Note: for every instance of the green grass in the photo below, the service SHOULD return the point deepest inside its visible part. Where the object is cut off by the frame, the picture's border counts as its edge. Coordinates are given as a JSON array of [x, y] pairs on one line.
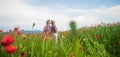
[[77, 44]]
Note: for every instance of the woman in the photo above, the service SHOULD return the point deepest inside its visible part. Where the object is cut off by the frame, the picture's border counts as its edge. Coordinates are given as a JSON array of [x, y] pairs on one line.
[[54, 30], [47, 30]]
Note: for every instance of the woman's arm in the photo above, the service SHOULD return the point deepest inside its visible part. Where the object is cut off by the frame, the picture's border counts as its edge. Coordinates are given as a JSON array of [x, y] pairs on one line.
[[44, 29]]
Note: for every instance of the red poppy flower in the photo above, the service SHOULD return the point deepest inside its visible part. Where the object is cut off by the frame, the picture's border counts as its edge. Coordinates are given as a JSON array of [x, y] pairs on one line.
[[7, 40], [10, 49], [15, 29], [22, 54], [80, 47], [97, 37], [0, 30], [84, 30], [19, 32], [72, 55]]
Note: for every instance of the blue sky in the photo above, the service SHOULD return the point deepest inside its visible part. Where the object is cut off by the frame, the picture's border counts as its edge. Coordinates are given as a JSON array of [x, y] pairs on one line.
[[75, 3], [24, 13]]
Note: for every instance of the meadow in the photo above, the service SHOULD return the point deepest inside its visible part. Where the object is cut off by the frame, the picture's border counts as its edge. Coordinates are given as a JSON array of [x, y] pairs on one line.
[[96, 41]]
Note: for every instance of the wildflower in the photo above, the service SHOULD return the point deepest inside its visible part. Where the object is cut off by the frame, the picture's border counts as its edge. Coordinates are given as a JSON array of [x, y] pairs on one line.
[[84, 30], [119, 42], [15, 29], [20, 46], [24, 37], [92, 31], [72, 55], [7, 40], [44, 38], [22, 54], [37, 34], [80, 48], [19, 32], [0, 30], [10, 49], [97, 37]]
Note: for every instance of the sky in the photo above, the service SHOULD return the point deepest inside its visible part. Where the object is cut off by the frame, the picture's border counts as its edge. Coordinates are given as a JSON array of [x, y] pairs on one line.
[[24, 13]]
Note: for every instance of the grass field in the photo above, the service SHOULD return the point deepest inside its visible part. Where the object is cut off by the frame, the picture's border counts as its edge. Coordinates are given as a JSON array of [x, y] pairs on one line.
[[96, 41]]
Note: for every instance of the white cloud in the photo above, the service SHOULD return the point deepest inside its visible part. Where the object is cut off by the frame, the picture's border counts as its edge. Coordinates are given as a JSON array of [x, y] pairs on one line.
[[17, 12], [114, 11], [86, 20]]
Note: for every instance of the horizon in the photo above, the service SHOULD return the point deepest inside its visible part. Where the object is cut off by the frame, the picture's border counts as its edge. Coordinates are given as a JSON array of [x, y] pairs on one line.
[[23, 13]]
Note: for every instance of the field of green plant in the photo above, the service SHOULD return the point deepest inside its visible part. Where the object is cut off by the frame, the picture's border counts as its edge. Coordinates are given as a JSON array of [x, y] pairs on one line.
[[96, 41]]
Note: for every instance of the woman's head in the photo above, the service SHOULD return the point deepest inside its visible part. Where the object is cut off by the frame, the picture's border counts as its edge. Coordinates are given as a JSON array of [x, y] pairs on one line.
[[52, 22], [48, 22]]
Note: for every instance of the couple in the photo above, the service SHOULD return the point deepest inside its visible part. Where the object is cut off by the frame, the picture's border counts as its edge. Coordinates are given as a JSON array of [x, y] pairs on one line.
[[50, 29]]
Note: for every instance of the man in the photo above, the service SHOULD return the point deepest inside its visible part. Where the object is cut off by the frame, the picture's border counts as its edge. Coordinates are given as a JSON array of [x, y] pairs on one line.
[[54, 30]]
